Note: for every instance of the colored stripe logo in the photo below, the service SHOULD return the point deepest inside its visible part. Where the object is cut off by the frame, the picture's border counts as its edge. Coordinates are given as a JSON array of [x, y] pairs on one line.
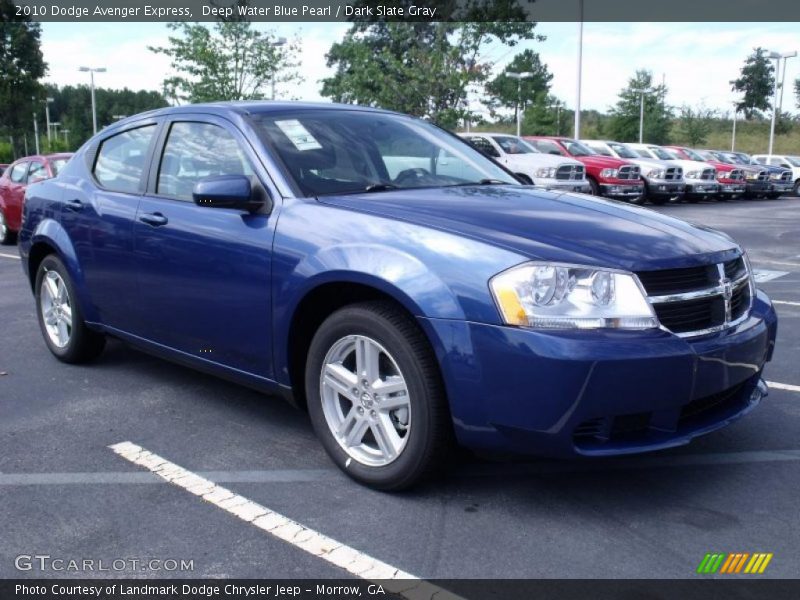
[[735, 562]]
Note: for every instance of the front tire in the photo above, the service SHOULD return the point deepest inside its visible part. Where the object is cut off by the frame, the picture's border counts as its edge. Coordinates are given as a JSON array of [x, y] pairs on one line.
[[595, 187], [60, 316], [375, 396]]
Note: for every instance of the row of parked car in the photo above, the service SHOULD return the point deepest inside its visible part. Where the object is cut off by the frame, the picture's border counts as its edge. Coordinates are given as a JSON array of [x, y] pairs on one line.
[[639, 173]]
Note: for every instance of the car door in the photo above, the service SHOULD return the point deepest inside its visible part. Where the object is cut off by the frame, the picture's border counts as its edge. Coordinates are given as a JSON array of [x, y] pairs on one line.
[[14, 193], [204, 272], [98, 213]]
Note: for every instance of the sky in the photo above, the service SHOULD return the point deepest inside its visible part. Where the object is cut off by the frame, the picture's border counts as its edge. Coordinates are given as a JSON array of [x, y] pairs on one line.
[[696, 60]]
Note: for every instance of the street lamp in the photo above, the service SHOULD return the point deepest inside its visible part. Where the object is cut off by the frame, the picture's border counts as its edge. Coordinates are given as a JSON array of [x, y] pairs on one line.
[[519, 77], [35, 126], [641, 93], [777, 56], [786, 58], [281, 41], [47, 102], [733, 135], [580, 72], [92, 71]]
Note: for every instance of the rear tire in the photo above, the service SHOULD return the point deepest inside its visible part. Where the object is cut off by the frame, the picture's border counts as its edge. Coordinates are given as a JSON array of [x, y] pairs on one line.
[[61, 317], [796, 190], [6, 235], [386, 440], [641, 198]]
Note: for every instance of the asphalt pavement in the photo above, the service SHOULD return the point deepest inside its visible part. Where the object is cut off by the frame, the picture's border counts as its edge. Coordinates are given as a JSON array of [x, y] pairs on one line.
[[65, 494]]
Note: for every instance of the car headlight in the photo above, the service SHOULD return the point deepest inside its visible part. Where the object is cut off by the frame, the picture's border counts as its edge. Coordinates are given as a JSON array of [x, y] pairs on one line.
[[556, 296], [776, 176], [693, 175], [608, 173], [656, 174], [546, 172], [723, 174], [751, 176]]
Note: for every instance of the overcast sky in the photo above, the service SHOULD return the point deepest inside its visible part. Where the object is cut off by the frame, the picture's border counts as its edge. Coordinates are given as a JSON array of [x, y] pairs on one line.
[[697, 60]]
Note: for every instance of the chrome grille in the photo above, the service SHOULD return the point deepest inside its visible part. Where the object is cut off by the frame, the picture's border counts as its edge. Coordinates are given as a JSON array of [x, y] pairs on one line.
[[710, 174], [628, 172], [699, 300], [733, 175], [674, 173], [570, 172], [763, 175]]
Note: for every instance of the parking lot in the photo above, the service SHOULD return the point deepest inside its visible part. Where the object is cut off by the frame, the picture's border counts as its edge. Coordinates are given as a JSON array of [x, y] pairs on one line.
[[66, 494]]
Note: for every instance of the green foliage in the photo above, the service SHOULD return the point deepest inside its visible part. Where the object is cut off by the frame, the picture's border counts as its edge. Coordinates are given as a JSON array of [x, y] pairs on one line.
[[694, 125], [755, 84], [229, 60], [505, 92], [797, 90], [21, 67], [421, 69], [624, 124]]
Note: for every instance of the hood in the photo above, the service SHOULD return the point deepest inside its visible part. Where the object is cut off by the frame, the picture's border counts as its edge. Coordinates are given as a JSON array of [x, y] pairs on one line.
[[602, 162], [571, 228], [540, 160], [648, 163], [690, 165]]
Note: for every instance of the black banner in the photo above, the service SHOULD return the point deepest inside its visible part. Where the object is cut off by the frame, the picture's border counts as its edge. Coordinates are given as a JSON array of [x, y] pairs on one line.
[[410, 10], [733, 588]]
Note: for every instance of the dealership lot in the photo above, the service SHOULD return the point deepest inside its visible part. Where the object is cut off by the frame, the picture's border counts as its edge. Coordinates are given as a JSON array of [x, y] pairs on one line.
[[66, 494]]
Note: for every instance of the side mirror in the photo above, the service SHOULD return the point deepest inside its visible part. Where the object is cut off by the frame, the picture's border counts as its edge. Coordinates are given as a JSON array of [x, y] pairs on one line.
[[227, 191]]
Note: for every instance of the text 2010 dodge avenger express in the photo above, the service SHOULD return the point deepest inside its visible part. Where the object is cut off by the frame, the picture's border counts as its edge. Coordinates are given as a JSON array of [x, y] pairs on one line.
[[285, 246]]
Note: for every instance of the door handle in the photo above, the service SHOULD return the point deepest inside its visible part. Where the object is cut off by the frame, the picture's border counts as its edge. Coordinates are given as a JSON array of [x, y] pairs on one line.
[[155, 219], [74, 205]]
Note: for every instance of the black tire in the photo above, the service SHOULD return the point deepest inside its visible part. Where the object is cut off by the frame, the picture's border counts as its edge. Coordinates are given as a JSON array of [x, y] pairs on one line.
[[796, 190], [7, 236], [641, 198], [595, 187], [84, 344], [774, 195], [693, 199], [524, 178], [430, 440]]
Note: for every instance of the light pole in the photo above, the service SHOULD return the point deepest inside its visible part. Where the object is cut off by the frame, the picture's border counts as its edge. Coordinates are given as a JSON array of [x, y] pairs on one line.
[[786, 58], [580, 72], [35, 126], [733, 135], [281, 41], [92, 71], [777, 56], [47, 102], [642, 92], [519, 77]]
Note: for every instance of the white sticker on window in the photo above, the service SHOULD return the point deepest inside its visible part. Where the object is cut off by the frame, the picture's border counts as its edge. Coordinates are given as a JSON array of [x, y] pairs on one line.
[[298, 135]]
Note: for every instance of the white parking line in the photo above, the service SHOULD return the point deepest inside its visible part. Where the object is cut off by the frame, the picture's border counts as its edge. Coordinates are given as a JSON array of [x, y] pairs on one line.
[[764, 275], [343, 556], [786, 302], [784, 386], [9, 256]]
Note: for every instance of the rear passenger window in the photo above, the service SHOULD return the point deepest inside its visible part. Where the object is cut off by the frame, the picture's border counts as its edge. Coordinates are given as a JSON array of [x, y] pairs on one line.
[[195, 151], [18, 172], [121, 159]]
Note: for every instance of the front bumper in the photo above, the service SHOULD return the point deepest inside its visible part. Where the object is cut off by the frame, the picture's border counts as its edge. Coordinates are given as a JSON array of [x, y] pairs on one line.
[[622, 191], [701, 189], [657, 188], [598, 392], [732, 189], [757, 187], [782, 187], [563, 185]]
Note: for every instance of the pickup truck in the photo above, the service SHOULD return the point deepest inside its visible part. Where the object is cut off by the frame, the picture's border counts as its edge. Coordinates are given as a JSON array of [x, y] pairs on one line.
[[731, 176], [700, 178], [609, 177], [663, 180], [784, 161], [529, 164], [763, 181]]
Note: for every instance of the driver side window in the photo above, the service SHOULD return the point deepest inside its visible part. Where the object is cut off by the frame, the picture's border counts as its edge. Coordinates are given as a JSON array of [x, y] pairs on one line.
[[194, 151]]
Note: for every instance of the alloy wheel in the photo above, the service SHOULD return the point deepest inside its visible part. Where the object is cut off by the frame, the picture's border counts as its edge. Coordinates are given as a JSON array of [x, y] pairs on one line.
[[56, 309]]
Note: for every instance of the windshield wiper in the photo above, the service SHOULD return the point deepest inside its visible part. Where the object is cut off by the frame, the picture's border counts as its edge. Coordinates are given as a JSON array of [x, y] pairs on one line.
[[486, 181]]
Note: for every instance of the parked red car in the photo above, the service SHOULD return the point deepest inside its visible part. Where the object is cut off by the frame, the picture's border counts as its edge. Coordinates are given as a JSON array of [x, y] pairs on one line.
[[3, 168], [608, 176], [13, 182]]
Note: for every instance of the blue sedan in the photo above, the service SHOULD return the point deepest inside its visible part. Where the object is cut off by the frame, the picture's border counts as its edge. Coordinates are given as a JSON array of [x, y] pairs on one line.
[[406, 290]]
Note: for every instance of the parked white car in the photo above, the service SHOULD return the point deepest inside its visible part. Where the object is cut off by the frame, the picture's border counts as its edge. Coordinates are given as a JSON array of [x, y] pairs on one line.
[[787, 162], [700, 177], [531, 165], [663, 179]]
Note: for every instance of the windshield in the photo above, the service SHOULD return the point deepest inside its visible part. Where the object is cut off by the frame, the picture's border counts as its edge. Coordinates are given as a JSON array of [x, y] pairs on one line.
[[58, 164], [692, 154], [705, 155], [328, 151], [623, 151], [670, 154], [575, 148], [723, 158], [514, 145], [793, 160], [739, 159]]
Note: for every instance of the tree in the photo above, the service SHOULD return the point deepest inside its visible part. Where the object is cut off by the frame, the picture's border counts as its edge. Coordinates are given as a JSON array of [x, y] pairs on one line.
[[755, 83], [624, 123], [420, 68], [505, 91], [229, 60], [695, 125], [21, 67], [797, 90]]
